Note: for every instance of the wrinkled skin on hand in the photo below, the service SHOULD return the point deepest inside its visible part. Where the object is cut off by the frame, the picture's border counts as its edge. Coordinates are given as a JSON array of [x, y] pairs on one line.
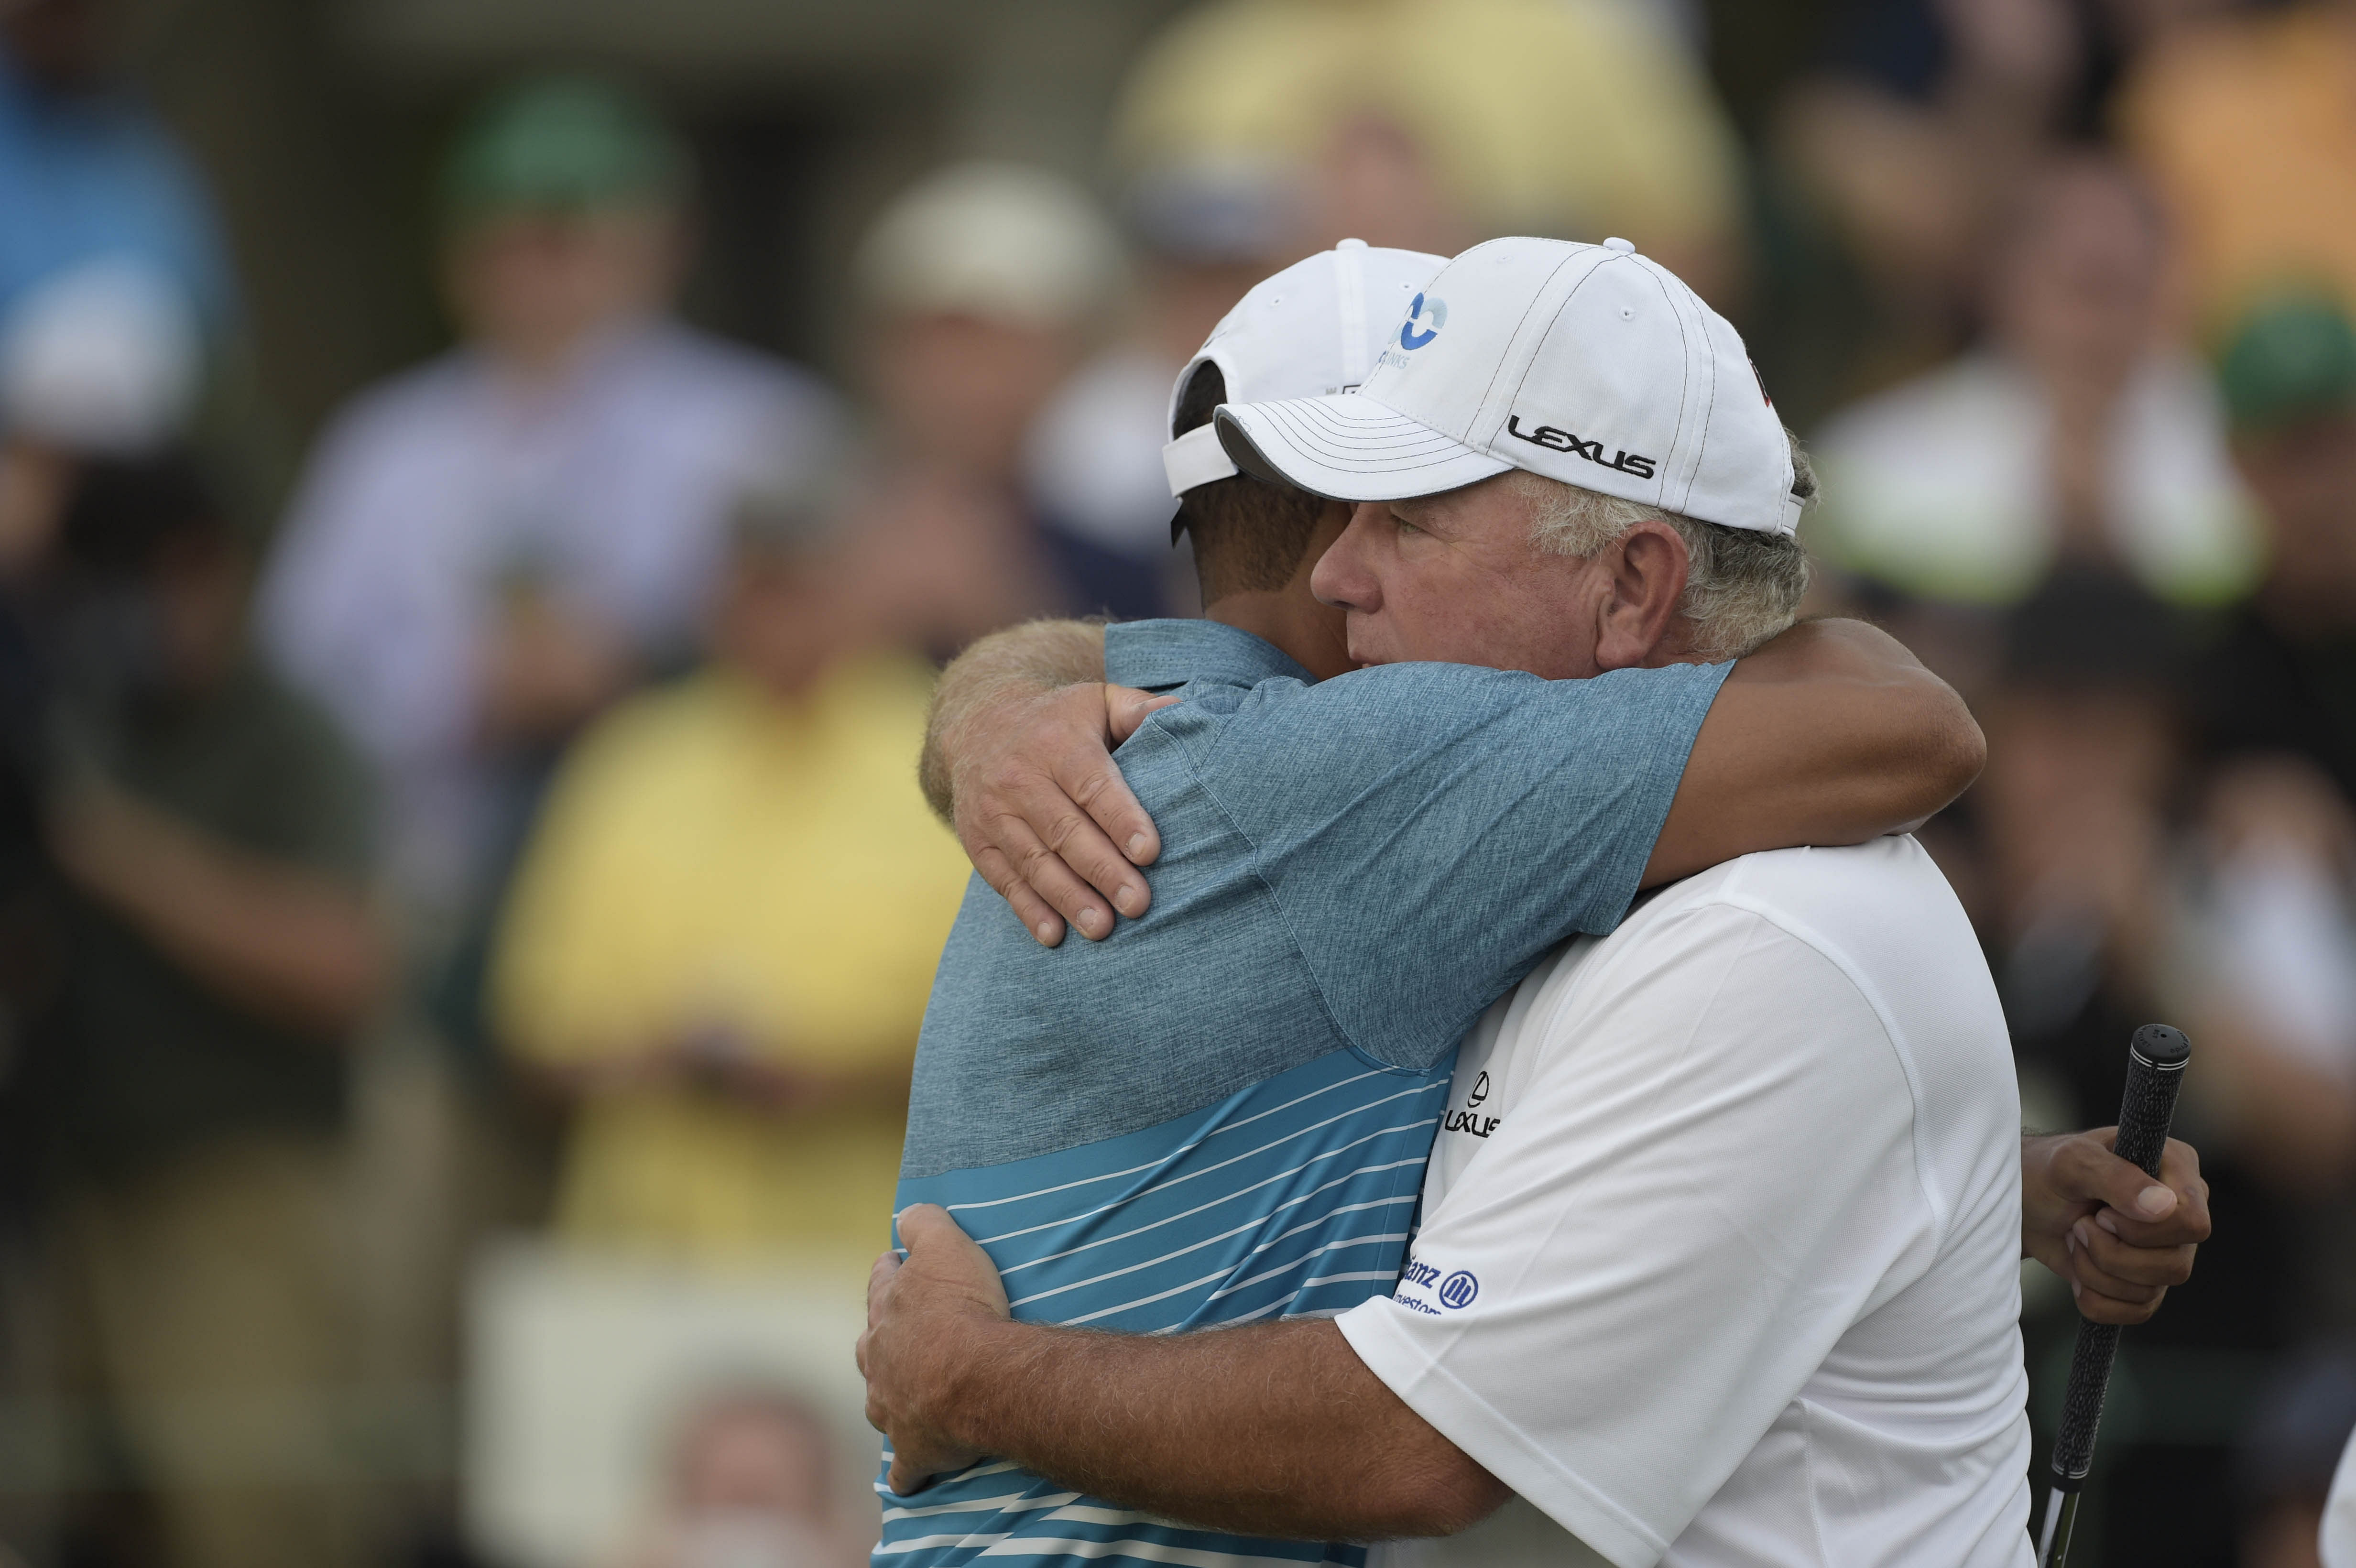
[[1045, 760], [923, 1315]]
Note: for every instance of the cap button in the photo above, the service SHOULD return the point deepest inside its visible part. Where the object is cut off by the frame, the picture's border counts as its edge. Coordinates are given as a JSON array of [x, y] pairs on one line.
[[1349, 245], [1625, 247]]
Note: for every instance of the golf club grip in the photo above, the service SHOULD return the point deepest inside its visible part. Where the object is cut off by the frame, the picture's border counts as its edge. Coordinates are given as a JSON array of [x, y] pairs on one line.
[[2155, 1069]]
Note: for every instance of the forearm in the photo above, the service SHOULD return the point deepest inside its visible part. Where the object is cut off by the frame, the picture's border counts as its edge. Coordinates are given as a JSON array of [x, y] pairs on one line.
[[1833, 733], [289, 945], [1022, 661], [1268, 1429]]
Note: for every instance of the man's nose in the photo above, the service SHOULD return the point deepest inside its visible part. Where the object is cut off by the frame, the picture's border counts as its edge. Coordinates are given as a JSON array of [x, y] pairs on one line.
[[1343, 578]]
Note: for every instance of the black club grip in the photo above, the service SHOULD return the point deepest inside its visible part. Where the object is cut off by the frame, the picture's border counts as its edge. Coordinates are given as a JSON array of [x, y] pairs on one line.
[[2156, 1061]]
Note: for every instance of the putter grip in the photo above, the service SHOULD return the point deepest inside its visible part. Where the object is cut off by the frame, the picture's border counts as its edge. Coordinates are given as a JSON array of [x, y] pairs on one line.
[[2156, 1061]]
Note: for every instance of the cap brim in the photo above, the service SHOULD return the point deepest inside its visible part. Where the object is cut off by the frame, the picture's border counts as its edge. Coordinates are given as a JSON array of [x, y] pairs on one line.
[[1348, 447]]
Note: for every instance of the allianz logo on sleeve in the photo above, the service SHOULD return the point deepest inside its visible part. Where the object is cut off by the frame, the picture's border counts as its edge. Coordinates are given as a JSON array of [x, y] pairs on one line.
[[1457, 1289]]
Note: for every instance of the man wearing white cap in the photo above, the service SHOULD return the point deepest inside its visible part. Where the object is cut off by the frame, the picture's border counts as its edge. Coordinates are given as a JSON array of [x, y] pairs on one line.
[[1718, 1241]]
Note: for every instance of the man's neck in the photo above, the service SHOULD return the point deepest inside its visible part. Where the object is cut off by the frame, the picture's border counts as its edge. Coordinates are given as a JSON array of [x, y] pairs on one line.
[[1309, 632]]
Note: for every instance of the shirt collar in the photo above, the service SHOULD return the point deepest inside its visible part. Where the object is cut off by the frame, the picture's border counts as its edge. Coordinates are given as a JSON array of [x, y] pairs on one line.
[[1157, 655]]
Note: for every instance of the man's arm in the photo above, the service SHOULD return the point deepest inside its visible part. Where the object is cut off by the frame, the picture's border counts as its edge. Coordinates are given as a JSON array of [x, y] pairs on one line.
[[1833, 733], [1245, 1428], [1266, 1429], [286, 941]]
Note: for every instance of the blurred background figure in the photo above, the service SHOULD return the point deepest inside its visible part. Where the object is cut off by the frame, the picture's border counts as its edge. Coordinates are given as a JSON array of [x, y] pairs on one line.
[[2247, 125], [751, 1486], [87, 172], [1428, 124], [2286, 660], [2070, 854], [98, 359], [2276, 724], [722, 934], [1251, 133], [1897, 154], [2079, 433], [982, 288], [209, 835], [490, 547]]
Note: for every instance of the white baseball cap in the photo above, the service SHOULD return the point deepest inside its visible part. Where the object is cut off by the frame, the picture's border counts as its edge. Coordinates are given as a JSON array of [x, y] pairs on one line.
[[1317, 327], [102, 359], [1001, 241], [1585, 363]]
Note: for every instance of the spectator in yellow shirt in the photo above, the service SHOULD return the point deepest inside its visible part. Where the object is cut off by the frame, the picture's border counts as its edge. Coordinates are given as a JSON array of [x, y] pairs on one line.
[[723, 933]]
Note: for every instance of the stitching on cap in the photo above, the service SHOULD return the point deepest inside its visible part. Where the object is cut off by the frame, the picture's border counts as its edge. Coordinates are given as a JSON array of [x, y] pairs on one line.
[[1557, 322], [1305, 440], [1481, 408], [1685, 385], [1707, 415], [1701, 451]]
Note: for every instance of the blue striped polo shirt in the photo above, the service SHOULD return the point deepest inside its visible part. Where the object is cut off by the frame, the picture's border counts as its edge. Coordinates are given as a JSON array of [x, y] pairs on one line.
[[1222, 1113]]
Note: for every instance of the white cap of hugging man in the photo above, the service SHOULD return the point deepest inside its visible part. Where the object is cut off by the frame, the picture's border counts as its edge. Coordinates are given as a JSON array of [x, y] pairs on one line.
[[1588, 364], [1317, 327]]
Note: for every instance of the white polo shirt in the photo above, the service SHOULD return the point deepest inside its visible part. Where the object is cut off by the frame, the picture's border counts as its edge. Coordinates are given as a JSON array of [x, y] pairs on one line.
[[1720, 1258]]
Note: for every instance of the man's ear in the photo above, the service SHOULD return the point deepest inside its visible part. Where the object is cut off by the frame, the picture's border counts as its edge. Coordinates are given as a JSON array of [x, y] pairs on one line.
[[1645, 572]]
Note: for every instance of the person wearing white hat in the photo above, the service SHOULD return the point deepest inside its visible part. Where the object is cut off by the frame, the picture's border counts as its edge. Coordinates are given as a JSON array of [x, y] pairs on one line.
[[1719, 1234]]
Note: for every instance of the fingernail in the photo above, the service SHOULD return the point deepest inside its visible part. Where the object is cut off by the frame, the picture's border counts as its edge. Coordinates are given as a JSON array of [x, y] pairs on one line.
[[2106, 1222], [2078, 1236], [2155, 1201], [1129, 900], [2076, 1290], [1046, 933], [1135, 845], [2070, 1242], [1095, 922]]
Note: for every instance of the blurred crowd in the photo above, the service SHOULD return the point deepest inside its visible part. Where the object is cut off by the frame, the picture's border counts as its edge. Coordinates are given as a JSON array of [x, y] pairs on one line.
[[513, 832]]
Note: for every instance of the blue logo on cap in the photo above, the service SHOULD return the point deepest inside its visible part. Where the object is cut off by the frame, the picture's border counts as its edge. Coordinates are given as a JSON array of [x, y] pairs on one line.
[[1459, 1289], [1408, 336]]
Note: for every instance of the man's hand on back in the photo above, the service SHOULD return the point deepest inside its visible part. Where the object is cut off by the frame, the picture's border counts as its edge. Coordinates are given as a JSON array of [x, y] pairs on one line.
[[2116, 1236], [1018, 760], [1043, 813]]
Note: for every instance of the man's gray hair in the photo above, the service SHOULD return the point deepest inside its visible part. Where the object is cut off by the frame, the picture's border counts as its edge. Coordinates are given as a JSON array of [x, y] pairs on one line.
[[1742, 586]]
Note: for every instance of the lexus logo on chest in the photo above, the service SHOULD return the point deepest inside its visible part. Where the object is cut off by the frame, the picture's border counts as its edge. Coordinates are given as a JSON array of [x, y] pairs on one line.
[[1467, 1120]]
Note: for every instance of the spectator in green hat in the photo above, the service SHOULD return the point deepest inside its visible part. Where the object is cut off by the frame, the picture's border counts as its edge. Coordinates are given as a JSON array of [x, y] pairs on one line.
[[2290, 379], [490, 547], [561, 213], [2288, 375]]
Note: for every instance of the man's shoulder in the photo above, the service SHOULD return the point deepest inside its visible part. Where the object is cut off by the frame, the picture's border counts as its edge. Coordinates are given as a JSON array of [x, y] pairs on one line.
[[1827, 893], [1836, 959], [1881, 914]]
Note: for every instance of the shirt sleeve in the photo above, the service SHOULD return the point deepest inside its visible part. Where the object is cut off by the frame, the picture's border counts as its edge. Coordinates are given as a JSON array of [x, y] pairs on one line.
[[1431, 829], [1696, 1194]]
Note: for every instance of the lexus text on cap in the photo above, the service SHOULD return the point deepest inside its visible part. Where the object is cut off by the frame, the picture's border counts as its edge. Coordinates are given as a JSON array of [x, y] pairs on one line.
[[1317, 327], [1588, 364]]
